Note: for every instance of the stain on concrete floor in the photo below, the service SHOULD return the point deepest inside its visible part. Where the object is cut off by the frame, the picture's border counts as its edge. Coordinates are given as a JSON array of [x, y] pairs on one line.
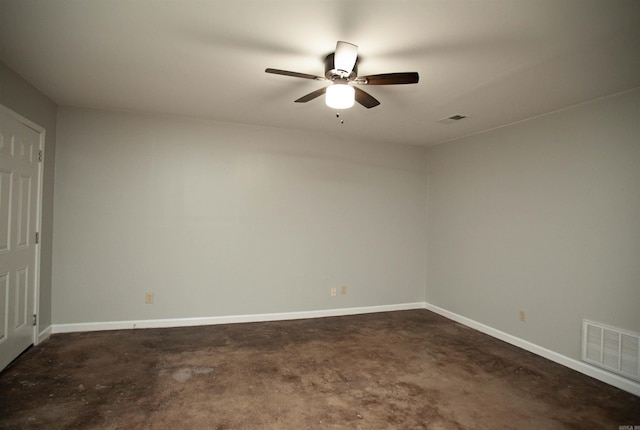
[[409, 369]]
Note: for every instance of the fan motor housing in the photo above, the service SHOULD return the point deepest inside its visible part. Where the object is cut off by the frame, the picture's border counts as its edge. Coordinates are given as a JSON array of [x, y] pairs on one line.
[[331, 73]]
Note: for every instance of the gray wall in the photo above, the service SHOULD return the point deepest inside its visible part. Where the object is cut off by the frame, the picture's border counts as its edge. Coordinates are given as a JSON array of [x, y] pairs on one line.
[[21, 97], [542, 215], [225, 219]]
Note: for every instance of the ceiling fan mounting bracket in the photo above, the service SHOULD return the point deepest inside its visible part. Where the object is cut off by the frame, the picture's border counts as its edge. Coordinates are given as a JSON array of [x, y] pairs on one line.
[[331, 73]]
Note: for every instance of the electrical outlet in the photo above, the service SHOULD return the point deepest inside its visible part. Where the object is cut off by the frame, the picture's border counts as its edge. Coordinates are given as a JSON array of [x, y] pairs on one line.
[[343, 290], [523, 315], [334, 292], [148, 298]]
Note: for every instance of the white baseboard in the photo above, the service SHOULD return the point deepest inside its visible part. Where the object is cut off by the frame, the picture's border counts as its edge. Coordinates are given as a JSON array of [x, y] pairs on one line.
[[229, 319], [579, 366], [44, 334]]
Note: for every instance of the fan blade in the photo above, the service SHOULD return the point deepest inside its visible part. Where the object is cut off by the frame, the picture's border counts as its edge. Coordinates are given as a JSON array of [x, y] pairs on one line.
[[389, 79], [365, 99], [294, 74], [345, 57], [311, 96]]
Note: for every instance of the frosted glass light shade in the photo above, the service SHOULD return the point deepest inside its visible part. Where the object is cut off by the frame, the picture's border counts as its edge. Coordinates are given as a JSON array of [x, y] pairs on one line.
[[340, 96]]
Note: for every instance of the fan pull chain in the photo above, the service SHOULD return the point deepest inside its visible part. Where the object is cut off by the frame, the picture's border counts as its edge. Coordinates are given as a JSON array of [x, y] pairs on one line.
[[338, 116]]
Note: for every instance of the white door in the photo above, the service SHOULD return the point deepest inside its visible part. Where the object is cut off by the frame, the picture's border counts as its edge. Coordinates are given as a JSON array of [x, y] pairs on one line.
[[19, 212]]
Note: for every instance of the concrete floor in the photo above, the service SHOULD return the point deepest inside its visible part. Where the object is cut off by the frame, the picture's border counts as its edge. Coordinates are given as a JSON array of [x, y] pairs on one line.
[[410, 369]]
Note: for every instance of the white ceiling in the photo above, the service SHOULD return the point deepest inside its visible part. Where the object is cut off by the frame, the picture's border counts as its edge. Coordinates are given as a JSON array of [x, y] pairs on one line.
[[496, 61]]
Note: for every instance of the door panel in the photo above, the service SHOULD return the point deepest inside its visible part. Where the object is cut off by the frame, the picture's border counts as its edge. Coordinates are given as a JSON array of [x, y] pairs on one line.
[[24, 210], [5, 209], [4, 302], [19, 179], [22, 283]]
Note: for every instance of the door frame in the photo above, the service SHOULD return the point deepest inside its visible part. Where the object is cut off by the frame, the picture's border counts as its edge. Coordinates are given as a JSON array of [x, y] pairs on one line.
[[36, 294]]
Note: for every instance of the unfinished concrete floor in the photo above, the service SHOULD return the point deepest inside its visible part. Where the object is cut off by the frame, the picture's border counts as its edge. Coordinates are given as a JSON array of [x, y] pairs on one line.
[[410, 369]]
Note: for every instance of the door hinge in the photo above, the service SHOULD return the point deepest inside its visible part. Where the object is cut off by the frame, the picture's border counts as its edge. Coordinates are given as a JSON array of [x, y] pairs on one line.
[[40, 155], [37, 238], [35, 319]]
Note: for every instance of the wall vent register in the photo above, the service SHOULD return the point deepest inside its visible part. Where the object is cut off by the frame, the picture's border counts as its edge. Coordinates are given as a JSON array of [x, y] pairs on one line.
[[611, 348]]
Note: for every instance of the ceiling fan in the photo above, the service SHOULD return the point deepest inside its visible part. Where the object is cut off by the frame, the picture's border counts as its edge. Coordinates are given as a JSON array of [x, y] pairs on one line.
[[341, 69]]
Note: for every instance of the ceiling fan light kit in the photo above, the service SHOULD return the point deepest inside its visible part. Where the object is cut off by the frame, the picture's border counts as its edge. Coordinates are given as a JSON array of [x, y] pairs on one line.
[[341, 69], [340, 96]]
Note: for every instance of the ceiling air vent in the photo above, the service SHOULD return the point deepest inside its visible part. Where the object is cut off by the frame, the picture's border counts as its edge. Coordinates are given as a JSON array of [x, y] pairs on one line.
[[451, 119]]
